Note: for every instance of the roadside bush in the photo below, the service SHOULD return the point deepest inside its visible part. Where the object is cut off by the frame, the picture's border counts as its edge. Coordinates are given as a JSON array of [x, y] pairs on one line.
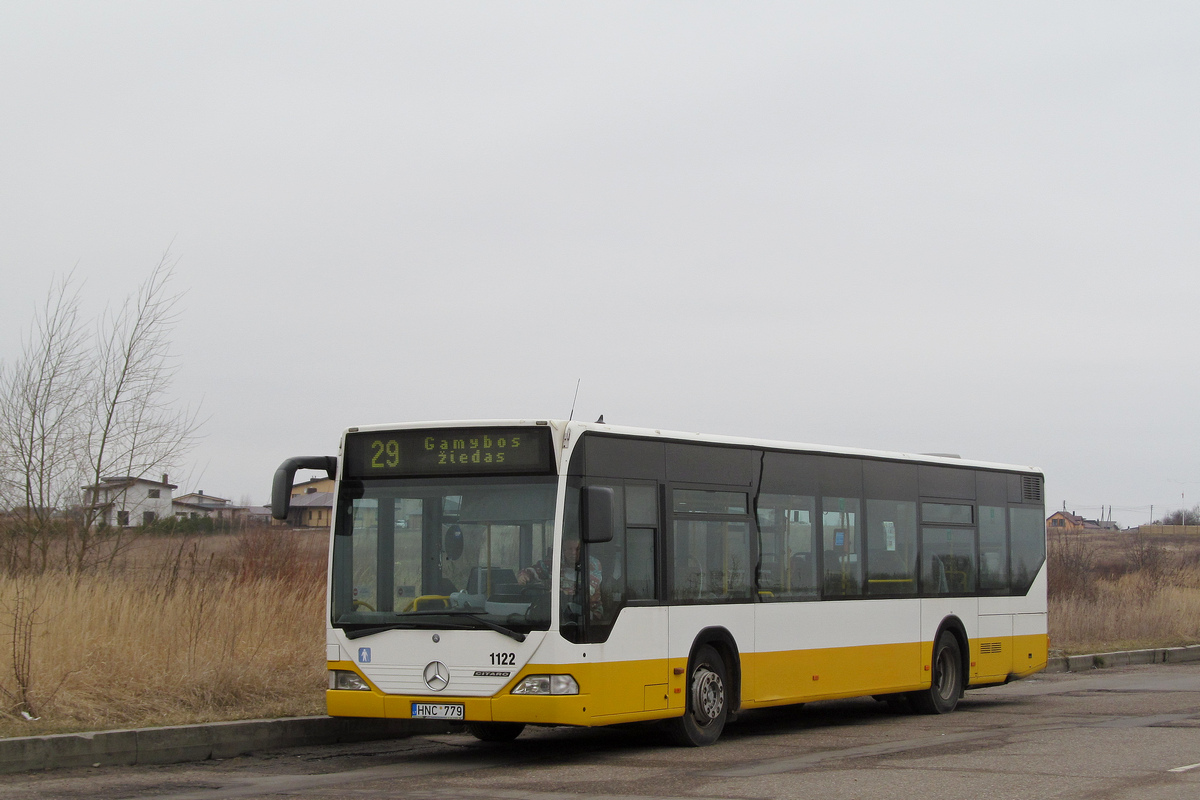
[[185, 525], [1071, 565]]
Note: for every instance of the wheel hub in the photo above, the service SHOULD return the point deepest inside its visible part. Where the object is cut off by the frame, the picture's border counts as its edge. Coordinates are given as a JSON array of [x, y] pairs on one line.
[[708, 695]]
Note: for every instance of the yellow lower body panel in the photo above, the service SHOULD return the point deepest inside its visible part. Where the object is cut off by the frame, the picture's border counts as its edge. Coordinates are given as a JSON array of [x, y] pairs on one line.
[[633, 691], [1030, 654], [801, 676], [355, 704], [1000, 659]]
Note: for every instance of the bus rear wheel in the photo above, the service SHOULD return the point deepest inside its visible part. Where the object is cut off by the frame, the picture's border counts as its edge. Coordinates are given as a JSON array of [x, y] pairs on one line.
[[946, 684], [707, 700], [495, 731]]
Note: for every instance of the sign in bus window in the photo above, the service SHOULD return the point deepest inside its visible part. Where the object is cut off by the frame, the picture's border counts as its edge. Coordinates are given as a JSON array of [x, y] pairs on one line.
[[892, 547], [841, 535], [697, 501]]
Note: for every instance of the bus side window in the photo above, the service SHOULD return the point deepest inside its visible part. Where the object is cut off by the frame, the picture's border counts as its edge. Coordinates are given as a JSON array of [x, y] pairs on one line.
[[788, 567], [628, 562], [993, 549], [891, 547], [640, 582], [641, 520], [949, 556], [602, 606], [712, 559], [1027, 532]]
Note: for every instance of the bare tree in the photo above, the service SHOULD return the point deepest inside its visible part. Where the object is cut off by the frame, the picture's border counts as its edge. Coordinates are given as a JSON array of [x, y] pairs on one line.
[[40, 403], [76, 408], [133, 429]]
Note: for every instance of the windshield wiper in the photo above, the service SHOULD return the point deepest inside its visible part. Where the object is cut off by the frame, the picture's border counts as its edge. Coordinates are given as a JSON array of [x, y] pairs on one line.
[[368, 630], [357, 633], [487, 623]]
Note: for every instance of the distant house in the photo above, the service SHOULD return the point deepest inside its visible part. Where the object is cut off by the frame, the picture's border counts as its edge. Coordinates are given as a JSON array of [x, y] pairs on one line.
[[198, 504], [311, 510], [313, 486], [1064, 521], [259, 515], [311, 504], [127, 501]]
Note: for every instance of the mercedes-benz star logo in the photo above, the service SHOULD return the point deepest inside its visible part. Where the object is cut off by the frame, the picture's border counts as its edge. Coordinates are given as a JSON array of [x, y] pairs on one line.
[[437, 676]]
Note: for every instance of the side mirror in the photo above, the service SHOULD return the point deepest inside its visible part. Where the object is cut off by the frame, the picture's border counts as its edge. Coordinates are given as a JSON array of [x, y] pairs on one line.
[[281, 486], [598, 511]]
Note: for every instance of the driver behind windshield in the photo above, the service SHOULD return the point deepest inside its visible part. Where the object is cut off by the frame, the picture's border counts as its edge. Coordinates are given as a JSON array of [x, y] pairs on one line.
[[569, 570]]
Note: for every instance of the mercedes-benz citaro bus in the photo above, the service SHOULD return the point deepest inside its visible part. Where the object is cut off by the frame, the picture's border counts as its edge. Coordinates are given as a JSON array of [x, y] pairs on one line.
[[507, 573]]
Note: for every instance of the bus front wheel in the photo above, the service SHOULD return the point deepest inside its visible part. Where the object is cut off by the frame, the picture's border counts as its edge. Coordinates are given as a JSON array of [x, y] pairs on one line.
[[495, 731], [707, 700], [946, 680]]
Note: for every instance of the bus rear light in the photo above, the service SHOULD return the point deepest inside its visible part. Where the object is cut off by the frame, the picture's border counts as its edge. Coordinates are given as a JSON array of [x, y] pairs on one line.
[[343, 679], [547, 684]]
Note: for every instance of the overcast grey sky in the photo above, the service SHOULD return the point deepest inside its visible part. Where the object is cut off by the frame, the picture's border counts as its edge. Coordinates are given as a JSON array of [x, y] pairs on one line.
[[950, 227]]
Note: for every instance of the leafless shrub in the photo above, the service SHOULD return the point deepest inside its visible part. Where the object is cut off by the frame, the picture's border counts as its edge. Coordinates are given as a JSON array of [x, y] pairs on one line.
[[21, 615], [1070, 564], [177, 567], [1145, 555], [274, 553]]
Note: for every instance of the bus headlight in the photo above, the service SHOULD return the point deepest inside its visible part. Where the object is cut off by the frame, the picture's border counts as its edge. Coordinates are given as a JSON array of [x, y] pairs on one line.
[[343, 679], [547, 684]]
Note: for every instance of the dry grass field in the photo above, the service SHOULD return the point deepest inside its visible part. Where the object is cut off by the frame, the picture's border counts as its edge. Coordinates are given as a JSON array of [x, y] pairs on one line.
[[184, 629], [221, 627], [1123, 590]]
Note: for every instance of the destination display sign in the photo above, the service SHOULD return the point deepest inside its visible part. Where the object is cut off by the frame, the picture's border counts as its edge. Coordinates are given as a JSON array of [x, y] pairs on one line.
[[448, 451]]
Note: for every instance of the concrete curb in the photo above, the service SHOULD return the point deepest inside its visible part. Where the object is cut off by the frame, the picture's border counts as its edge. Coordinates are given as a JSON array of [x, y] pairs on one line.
[[180, 743], [1162, 655]]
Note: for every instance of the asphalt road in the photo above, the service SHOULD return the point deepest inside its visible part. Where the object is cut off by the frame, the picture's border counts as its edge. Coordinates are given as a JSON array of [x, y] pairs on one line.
[[1132, 732]]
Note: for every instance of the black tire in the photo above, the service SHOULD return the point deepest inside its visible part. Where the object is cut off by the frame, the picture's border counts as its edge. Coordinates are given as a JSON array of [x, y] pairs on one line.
[[707, 700], [495, 731], [946, 681]]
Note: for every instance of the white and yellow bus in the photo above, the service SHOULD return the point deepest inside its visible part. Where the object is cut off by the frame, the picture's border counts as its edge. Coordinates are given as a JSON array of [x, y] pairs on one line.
[[506, 573]]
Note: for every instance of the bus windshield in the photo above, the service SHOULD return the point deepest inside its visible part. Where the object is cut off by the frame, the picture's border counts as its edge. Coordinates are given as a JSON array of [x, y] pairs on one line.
[[443, 554]]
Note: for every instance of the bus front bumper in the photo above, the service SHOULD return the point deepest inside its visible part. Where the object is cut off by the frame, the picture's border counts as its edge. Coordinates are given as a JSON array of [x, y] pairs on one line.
[[545, 710]]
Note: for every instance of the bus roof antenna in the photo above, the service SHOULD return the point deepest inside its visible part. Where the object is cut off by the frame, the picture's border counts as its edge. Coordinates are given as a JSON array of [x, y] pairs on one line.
[[573, 399], [600, 421]]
